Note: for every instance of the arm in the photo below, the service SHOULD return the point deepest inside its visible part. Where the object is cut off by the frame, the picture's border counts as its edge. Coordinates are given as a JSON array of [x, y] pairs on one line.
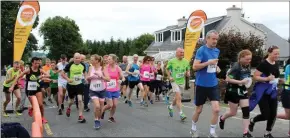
[[197, 65], [121, 74], [257, 77], [168, 71], [20, 76], [44, 74], [127, 69], [66, 69], [9, 77], [88, 77], [106, 76]]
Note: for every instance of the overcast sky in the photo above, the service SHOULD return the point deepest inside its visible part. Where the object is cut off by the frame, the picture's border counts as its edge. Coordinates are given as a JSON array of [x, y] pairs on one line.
[[101, 20]]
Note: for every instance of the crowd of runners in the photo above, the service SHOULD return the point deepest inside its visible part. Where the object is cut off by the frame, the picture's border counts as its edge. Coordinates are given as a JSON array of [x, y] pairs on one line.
[[103, 81]]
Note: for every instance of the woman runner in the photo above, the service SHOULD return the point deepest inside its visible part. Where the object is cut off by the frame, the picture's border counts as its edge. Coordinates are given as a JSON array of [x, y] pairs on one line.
[[145, 70], [33, 76], [113, 88], [152, 86], [158, 76], [236, 95], [97, 77], [266, 75]]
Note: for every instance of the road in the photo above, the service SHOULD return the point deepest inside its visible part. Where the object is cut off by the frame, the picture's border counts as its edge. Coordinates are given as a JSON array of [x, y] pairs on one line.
[[153, 121]]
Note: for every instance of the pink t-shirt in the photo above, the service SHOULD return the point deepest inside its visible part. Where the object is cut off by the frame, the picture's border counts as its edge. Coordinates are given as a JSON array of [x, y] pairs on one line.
[[97, 84], [113, 85], [145, 72], [21, 81]]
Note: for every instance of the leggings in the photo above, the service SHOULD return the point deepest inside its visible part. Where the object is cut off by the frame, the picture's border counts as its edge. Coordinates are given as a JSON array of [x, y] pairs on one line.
[[158, 87], [268, 109]]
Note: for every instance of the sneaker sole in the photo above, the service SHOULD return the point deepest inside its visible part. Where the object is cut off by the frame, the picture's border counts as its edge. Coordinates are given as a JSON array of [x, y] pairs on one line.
[[82, 121]]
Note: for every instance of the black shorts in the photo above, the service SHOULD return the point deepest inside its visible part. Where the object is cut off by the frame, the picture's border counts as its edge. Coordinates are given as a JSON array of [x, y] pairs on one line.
[[285, 98], [44, 84], [32, 93], [202, 93], [132, 84], [125, 82], [74, 90], [147, 83], [54, 91], [6, 89], [153, 84], [234, 97], [98, 94]]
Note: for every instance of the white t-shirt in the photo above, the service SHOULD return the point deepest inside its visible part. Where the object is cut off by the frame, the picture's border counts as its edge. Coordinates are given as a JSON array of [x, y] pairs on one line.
[[61, 66]]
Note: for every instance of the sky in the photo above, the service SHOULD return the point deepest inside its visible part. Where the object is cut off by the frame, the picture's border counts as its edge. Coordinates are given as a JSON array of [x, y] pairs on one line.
[[103, 20]]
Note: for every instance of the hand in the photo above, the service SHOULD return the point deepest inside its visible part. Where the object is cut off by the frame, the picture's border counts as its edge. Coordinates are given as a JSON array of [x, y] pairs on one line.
[[218, 70], [14, 77], [171, 79], [187, 74], [98, 74], [11, 89], [271, 77], [54, 81], [70, 81], [134, 73], [213, 61]]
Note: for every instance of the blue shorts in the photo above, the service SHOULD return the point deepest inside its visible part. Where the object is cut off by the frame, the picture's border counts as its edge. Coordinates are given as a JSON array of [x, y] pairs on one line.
[[113, 95], [100, 94]]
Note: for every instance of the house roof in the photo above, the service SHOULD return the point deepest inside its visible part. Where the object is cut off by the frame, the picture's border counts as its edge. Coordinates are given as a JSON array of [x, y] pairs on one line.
[[274, 39]]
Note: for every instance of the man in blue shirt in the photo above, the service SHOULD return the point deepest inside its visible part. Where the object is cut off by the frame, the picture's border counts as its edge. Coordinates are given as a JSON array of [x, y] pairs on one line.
[[205, 63]]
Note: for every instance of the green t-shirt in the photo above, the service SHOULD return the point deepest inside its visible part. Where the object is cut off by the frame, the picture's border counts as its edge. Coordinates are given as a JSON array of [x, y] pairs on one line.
[[76, 72], [10, 74], [53, 76], [178, 69]]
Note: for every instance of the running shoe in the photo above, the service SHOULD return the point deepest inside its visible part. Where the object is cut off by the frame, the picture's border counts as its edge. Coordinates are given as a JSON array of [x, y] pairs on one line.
[[82, 119], [170, 111], [251, 126], [112, 120], [44, 103], [183, 117], [141, 103], [269, 135], [44, 120], [59, 111], [130, 103], [87, 109], [49, 99], [247, 135], [68, 112], [151, 101], [62, 106], [97, 124], [17, 113], [145, 104], [221, 123], [30, 111], [5, 114], [194, 134], [213, 135]]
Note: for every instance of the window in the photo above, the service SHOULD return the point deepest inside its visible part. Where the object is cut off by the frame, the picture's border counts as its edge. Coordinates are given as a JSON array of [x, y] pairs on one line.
[[159, 37], [176, 35]]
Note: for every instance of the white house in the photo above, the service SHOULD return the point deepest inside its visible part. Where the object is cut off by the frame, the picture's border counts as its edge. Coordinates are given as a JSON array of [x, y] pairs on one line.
[[172, 37]]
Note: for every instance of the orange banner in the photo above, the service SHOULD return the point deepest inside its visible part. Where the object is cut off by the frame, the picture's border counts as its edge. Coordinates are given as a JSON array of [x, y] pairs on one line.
[[195, 24], [26, 17]]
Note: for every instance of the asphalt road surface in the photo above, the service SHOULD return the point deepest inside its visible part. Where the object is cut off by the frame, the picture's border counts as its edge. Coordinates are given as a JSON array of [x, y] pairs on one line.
[[136, 121]]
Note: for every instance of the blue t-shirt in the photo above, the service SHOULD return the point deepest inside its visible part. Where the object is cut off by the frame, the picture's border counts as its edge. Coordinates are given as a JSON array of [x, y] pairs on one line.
[[132, 69], [287, 77], [87, 66], [203, 78]]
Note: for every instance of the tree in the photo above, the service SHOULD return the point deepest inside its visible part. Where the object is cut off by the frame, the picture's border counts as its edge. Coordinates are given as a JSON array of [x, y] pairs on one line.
[[61, 36], [142, 42], [231, 43], [9, 10]]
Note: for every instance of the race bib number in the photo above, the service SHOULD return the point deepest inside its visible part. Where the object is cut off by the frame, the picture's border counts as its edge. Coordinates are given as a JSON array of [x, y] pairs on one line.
[[32, 86], [112, 84], [179, 75], [158, 77], [77, 79], [146, 74], [96, 85], [137, 73], [211, 68], [151, 75], [124, 73]]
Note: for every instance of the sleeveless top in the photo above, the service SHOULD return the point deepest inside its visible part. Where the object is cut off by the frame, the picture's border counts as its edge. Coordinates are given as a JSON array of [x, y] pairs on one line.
[[145, 72], [13, 73], [32, 80], [159, 74], [134, 68], [98, 84], [112, 85]]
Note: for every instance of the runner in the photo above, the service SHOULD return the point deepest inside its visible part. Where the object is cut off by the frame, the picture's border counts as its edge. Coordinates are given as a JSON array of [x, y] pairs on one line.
[[124, 84], [134, 78], [45, 88], [267, 77], [62, 83], [8, 87], [113, 89], [53, 72], [285, 96], [159, 77], [177, 68], [138, 90], [205, 64], [238, 82], [145, 70], [33, 75], [75, 87], [152, 84], [98, 77]]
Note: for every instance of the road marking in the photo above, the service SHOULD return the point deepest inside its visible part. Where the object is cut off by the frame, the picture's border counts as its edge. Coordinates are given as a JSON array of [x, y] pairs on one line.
[[284, 121]]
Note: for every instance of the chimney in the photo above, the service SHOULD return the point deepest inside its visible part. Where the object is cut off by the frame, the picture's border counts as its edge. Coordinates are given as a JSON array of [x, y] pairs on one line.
[[182, 21], [234, 12]]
